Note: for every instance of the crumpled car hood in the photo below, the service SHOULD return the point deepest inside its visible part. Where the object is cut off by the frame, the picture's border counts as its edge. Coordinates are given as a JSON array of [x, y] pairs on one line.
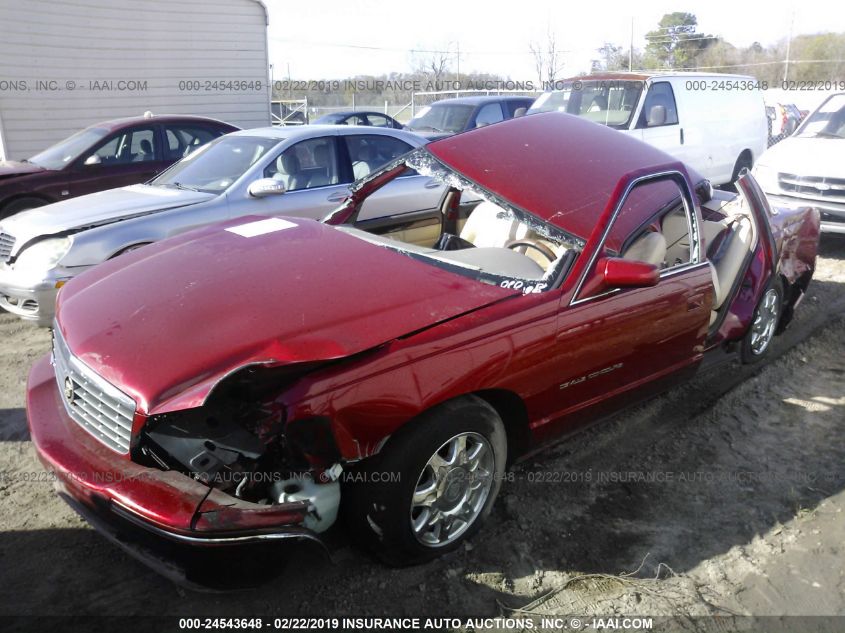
[[167, 322], [97, 208], [10, 168]]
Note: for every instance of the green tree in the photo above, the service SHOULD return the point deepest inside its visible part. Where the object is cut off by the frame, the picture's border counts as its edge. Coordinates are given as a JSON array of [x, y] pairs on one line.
[[676, 42]]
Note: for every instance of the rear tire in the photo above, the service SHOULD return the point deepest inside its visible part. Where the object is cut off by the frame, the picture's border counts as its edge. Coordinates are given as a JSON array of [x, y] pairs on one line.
[[758, 340], [21, 204], [443, 473]]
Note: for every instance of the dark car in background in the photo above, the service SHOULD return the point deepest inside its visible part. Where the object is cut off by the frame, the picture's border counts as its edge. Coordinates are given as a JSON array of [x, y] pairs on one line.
[[107, 155], [450, 116], [352, 117], [784, 119]]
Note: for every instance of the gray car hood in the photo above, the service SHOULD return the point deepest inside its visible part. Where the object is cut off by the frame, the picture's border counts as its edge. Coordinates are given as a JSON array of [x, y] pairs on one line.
[[96, 209]]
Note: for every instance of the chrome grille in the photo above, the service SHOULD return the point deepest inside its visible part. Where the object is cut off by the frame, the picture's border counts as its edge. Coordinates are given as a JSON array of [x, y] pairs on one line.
[[94, 404], [7, 242], [813, 187]]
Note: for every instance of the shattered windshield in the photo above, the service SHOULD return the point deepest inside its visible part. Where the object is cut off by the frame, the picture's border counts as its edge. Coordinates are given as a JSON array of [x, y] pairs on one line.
[[482, 236], [609, 102]]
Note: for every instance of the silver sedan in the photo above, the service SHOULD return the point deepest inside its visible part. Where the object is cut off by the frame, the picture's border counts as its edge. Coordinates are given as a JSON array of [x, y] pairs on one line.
[[298, 171]]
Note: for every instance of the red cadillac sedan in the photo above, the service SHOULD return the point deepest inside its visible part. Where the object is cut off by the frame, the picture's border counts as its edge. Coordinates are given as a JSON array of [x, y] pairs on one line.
[[267, 379]]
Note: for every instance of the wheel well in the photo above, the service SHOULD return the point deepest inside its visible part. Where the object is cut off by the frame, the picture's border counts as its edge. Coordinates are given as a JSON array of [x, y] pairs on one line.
[[511, 409], [131, 247], [747, 154], [21, 196], [791, 293]]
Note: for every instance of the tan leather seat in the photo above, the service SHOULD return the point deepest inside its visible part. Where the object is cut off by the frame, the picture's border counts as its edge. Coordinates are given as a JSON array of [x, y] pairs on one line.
[[727, 261], [484, 226], [650, 247], [364, 162], [710, 230], [676, 231]]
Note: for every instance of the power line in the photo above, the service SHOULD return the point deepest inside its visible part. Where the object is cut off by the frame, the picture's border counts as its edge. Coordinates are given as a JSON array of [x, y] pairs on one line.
[[781, 61]]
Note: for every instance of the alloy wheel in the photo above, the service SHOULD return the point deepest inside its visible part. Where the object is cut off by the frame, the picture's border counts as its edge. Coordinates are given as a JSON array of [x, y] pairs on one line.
[[452, 489], [765, 322]]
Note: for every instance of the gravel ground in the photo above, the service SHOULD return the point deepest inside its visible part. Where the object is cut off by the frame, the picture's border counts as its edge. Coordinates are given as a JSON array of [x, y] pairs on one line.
[[724, 497]]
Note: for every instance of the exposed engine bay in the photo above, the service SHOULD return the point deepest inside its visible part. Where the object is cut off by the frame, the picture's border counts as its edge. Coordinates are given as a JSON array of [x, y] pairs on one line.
[[239, 445]]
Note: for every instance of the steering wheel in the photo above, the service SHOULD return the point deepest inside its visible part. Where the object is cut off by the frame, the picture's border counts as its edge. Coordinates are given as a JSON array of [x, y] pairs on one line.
[[538, 246]]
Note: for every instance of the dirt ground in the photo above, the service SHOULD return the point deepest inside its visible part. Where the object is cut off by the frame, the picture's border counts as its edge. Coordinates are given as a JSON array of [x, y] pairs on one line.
[[723, 497]]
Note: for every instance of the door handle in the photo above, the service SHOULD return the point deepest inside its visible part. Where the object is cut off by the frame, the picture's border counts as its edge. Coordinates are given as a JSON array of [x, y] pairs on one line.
[[682, 136], [695, 302], [432, 184], [338, 196]]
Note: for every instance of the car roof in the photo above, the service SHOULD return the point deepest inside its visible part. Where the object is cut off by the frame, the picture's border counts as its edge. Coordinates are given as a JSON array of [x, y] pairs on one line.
[[115, 124], [302, 132], [558, 167], [482, 99]]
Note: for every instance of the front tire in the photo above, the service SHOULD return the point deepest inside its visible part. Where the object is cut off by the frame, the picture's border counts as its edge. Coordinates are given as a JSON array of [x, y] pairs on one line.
[[443, 473], [758, 340]]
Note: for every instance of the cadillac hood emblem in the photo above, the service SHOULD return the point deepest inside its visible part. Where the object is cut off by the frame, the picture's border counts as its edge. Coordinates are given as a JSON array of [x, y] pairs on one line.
[[69, 390]]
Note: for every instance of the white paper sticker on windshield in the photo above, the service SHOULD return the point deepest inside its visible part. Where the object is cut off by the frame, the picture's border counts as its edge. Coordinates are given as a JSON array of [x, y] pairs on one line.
[[261, 227]]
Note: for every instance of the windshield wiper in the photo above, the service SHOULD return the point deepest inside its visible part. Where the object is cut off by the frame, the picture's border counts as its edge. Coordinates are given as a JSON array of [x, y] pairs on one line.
[[429, 127], [179, 185]]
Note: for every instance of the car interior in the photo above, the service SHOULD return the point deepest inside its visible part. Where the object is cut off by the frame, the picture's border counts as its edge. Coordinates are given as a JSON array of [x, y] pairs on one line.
[[306, 165], [729, 237], [481, 235], [478, 235]]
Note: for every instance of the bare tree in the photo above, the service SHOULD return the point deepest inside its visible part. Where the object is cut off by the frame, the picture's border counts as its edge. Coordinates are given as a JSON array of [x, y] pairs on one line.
[[434, 66], [548, 59]]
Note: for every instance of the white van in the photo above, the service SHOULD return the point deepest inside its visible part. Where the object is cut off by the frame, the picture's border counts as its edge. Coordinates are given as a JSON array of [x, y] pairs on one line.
[[715, 123]]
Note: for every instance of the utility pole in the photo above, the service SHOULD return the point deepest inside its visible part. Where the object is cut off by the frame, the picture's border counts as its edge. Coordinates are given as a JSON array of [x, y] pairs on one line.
[[631, 48], [458, 53], [788, 47]]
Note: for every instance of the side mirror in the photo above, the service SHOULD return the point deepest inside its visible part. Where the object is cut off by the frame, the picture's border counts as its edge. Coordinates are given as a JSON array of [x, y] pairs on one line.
[[93, 159], [656, 116], [616, 272], [264, 187]]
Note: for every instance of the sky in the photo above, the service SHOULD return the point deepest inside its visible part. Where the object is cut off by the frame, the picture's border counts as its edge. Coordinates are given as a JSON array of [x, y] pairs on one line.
[[331, 39]]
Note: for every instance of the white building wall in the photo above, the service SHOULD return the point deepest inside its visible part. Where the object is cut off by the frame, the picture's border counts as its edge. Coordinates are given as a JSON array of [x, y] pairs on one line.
[[68, 45]]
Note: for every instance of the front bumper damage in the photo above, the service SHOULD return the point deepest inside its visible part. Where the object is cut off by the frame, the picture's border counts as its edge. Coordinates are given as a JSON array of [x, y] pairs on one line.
[[150, 513]]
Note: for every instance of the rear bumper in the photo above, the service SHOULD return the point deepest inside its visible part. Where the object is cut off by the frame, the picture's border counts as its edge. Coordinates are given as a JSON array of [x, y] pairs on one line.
[[832, 213], [115, 493]]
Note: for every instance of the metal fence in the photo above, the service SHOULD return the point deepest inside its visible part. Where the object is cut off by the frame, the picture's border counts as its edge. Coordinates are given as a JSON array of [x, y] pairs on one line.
[[289, 112]]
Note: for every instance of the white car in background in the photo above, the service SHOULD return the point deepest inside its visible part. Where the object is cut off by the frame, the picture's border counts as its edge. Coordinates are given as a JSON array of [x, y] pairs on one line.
[[302, 171], [808, 168], [715, 123]]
